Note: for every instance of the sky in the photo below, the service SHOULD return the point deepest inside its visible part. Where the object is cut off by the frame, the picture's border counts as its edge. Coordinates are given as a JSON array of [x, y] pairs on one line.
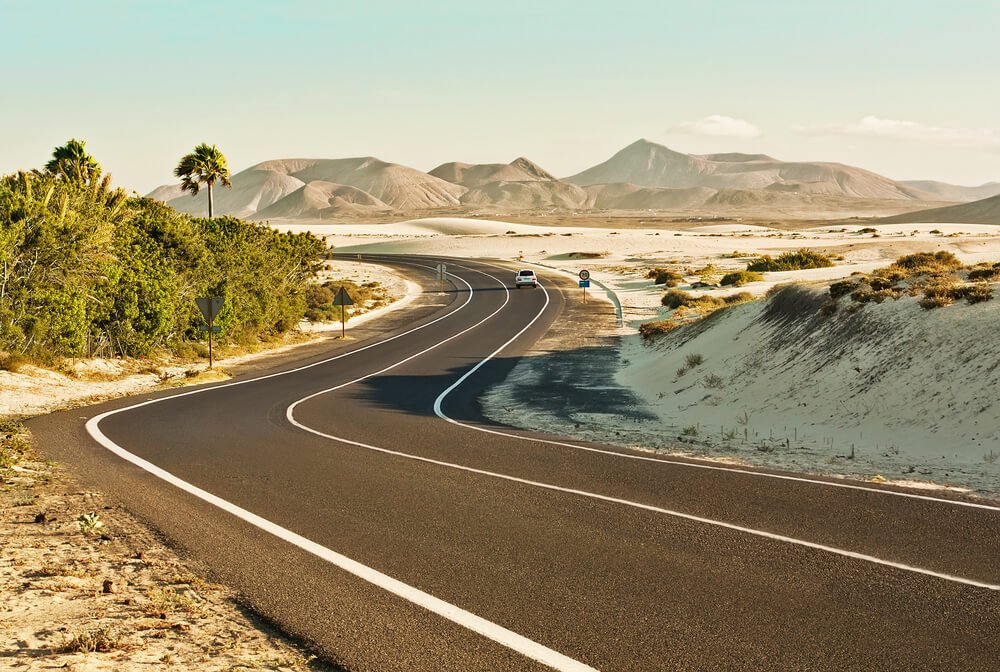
[[906, 89]]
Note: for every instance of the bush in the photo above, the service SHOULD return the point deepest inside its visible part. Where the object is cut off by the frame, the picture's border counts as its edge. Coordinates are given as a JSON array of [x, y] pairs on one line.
[[676, 298], [651, 330], [979, 292], [842, 288], [664, 276], [987, 273], [866, 294], [693, 360], [926, 262], [791, 261], [740, 278]]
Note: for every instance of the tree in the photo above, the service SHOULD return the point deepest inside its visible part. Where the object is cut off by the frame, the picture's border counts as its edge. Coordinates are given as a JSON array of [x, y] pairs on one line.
[[205, 165], [72, 162]]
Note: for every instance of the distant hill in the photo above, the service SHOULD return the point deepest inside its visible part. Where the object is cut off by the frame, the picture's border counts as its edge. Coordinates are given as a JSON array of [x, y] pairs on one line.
[[985, 211], [257, 188], [647, 164], [942, 191], [644, 176], [476, 175]]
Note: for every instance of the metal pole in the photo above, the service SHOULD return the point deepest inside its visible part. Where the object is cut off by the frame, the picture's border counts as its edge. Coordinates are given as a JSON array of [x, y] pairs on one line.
[[210, 343], [343, 320]]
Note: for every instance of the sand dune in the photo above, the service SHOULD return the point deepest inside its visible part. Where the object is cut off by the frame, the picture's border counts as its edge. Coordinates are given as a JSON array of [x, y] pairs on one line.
[[647, 164], [477, 175], [986, 211]]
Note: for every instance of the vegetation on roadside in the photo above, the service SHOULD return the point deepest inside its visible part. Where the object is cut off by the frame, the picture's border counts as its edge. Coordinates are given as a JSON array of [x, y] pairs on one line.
[[790, 261], [319, 299], [15, 443], [740, 278], [939, 277], [87, 271]]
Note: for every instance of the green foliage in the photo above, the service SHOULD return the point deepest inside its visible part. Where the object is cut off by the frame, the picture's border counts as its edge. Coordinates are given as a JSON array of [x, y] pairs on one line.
[[740, 278], [790, 261], [86, 271], [72, 162], [205, 165]]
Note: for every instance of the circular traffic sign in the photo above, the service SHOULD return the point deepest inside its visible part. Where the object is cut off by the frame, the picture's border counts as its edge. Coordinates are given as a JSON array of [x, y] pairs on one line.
[[585, 274]]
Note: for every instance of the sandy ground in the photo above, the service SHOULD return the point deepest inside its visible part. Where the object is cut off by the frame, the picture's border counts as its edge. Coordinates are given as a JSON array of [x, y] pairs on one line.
[[111, 596], [911, 406]]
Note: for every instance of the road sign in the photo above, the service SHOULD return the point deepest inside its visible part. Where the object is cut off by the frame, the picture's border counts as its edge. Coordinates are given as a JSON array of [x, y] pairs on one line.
[[585, 284], [210, 307], [343, 298], [584, 275], [214, 329], [442, 271]]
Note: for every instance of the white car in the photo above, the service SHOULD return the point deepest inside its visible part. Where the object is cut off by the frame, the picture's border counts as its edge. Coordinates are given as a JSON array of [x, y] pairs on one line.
[[525, 278]]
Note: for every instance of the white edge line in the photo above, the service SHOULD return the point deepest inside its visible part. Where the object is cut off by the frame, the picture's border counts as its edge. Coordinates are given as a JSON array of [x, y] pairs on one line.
[[679, 463], [289, 414], [451, 612]]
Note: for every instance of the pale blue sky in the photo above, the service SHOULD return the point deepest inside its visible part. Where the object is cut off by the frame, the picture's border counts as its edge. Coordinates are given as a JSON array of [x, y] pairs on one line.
[[908, 89]]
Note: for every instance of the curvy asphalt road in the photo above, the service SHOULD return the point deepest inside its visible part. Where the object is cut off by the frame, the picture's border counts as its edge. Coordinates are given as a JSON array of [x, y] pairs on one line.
[[358, 499]]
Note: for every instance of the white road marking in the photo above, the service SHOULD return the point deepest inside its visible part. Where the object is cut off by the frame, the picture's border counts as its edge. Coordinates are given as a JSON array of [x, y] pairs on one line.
[[693, 465], [477, 624], [548, 486]]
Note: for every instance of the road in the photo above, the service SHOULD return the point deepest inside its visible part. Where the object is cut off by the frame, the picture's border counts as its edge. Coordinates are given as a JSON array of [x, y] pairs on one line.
[[358, 499]]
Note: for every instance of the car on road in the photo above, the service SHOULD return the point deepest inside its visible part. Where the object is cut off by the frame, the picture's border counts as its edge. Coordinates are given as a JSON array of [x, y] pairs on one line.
[[525, 278]]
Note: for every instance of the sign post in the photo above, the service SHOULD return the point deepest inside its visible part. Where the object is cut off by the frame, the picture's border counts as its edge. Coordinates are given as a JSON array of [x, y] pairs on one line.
[[584, 283], [343, 299], [210, 307], [442, 275]]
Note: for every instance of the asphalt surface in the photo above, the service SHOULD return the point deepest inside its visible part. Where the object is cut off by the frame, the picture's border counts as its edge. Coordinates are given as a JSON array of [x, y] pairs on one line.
[[615, 560]]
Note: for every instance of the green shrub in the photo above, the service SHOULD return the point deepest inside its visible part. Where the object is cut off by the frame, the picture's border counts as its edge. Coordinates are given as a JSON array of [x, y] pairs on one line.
[[791, 261], [740, 278]]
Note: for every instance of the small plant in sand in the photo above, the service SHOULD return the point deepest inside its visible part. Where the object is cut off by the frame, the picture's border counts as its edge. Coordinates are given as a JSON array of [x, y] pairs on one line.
[[740, 278], [693, 360], [691, 430], [651, 330], [102, 640], [89, 523], [791, 261], [14, 443], [713, 381]]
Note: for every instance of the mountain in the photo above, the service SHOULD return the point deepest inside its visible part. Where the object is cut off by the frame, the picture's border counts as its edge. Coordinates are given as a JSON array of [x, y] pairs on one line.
[[985, 211], [647, 164], [321, 200], [258, 187], [527, 195], [942, 191], [620, 196], [476, 175], [252, 190]]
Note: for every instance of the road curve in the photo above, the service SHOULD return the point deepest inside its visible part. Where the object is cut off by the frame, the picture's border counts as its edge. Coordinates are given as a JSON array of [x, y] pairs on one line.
[[358, 499]]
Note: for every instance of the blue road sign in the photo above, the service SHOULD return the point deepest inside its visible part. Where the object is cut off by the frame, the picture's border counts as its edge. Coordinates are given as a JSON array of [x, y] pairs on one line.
[[585, 283]]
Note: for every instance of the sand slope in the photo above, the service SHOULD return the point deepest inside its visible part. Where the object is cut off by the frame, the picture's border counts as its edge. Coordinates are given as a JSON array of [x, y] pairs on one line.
[[647, 164], [912, 390], [986, 211]]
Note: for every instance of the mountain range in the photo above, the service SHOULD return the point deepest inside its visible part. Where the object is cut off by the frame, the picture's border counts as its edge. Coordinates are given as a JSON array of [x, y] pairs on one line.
[[641, 177]]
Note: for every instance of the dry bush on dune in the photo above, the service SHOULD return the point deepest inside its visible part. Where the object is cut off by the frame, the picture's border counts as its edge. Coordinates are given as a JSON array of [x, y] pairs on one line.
[[664, 276], [740, 278], [791, 261]]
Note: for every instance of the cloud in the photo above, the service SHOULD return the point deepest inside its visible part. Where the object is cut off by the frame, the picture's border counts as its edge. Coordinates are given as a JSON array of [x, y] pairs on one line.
[[875, 127], [719, 126]]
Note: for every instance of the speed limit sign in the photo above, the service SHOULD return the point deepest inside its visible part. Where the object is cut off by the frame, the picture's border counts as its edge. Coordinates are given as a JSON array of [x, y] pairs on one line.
[[585, 274]]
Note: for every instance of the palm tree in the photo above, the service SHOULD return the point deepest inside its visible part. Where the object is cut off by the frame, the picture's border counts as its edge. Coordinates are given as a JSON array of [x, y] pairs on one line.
[[205, 165], [72, 162]]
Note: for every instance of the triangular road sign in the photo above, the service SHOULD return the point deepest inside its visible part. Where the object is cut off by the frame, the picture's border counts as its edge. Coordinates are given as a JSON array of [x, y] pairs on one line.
[[343, 298]]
